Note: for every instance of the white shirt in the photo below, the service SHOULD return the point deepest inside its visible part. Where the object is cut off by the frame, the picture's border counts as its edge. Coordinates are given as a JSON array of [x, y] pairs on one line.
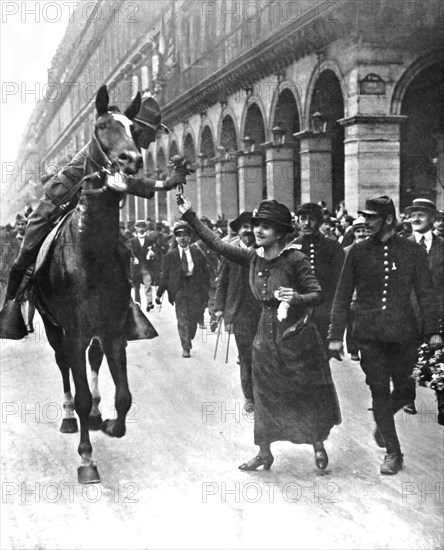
[[428, 239], [187, 252]]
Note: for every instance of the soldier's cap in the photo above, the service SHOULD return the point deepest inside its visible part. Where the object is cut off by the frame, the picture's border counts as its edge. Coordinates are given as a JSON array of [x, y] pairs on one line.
[[311, 209], [273, 211], [379, 206], [359, 222], [181, 226], [423, 205], [20, 218], [149, 115], [237, 223], [140, 223]]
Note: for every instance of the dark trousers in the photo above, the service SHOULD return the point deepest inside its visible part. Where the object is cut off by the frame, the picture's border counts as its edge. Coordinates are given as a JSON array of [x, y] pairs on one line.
[[244, 333], [383, 362], [189, 310]]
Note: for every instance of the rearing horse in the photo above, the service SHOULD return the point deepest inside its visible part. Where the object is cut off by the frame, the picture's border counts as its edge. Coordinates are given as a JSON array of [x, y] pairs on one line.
[[81, 288]]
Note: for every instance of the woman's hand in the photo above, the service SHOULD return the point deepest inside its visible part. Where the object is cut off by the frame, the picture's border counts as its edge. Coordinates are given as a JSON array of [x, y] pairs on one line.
[[183, 203], [285, 294]]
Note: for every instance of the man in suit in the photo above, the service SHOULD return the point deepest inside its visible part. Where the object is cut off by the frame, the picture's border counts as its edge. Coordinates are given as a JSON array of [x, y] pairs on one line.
[[185, 276], [422, 214], [143, 256], [326, 257], [384, 270], [235, 301], [439, 224]]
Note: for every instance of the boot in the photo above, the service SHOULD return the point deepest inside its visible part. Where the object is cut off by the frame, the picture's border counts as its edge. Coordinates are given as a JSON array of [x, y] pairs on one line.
[[137, 326], [12, 325]]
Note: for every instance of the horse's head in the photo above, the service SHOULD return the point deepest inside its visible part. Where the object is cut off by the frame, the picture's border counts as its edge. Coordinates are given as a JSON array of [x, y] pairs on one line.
[[113, 132]]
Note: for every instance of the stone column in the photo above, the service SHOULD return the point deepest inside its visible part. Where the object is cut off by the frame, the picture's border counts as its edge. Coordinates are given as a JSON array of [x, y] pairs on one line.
[[372, 158], [251, 177], [316, 175], [227, 195], [280, 175], [206, 188]]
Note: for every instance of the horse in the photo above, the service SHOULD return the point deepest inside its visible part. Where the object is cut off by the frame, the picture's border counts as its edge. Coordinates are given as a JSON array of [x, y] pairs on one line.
[[82, 292]]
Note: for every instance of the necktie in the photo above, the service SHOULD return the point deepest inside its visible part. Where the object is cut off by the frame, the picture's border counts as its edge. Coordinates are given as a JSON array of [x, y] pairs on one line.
[[422, 243], [184, 263]]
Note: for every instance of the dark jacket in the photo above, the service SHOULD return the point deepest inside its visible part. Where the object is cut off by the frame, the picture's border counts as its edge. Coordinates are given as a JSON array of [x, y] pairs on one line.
[[172, 276], [326, 257], [233, 293], [435, 258], [384, 275], [140, 252]]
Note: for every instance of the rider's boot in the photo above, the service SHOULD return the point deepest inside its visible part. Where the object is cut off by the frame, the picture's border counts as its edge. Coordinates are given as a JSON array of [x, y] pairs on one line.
[[12, 325], [137, 326]]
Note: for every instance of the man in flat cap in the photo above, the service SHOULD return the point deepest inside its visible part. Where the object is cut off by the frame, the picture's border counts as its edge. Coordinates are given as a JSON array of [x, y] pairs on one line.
[[186, 279], [384, 270], [235, 301], [326, 258], [422, 215]]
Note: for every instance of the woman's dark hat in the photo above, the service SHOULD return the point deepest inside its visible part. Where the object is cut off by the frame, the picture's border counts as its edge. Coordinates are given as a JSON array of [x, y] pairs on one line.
[[310, 209], [273, 211], [237, 223], [423, 205], [379, 206], [149, 115]]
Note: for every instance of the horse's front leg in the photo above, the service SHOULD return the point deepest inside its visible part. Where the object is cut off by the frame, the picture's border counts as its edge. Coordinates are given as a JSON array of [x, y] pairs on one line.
[[95, 357], [115, 352], [87, 471]]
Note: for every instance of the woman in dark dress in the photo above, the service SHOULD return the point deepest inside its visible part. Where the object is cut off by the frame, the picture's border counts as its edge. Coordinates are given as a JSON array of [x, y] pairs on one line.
[[294, 394]]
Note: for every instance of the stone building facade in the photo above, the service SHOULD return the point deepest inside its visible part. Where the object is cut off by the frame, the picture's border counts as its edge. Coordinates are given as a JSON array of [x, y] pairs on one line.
[[299, 101]]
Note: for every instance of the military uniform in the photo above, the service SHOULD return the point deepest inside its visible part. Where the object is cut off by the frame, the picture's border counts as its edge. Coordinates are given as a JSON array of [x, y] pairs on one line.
[[326, 258], [384, 274]]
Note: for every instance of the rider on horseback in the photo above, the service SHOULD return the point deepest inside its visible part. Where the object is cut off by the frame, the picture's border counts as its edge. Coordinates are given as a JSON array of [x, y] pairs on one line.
[[61, 195]]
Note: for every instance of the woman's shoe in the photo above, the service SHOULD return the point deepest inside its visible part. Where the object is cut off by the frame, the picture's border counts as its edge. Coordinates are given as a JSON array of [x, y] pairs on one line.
[[256, 462], [321, 459]]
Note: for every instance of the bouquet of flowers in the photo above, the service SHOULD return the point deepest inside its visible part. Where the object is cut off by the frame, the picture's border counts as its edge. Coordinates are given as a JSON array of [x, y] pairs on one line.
[[429, 371]]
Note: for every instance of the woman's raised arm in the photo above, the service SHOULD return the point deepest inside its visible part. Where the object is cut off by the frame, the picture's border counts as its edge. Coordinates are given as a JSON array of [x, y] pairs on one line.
[[236, 254]]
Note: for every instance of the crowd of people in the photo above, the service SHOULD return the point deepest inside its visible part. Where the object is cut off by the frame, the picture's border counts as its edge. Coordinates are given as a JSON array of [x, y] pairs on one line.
[[288, 286]]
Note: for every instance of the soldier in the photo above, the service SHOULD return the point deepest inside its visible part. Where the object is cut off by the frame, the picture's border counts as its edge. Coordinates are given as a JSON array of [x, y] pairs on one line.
[[326, 257], [360, 234], [385, 269], [422, 215], [61, 195], [185, 276], [235, 301]]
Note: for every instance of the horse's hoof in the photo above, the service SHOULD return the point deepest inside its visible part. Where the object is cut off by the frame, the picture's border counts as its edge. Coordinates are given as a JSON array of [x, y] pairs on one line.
[[95, 422], [69, 426], [88, 474], [109, 427]]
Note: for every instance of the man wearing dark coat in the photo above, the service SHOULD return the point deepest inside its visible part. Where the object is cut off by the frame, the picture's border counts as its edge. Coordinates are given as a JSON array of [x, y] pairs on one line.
[[143, 265], [422, 214], [326, 258], [235, 301], [185, 276], [385, 269]]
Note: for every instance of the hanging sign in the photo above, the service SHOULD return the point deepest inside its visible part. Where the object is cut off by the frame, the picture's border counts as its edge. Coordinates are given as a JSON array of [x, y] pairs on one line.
[[372, 84]]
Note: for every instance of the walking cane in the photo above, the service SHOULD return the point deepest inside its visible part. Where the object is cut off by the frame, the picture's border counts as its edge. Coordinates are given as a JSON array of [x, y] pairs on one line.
[[228, 343], [218, 336]]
